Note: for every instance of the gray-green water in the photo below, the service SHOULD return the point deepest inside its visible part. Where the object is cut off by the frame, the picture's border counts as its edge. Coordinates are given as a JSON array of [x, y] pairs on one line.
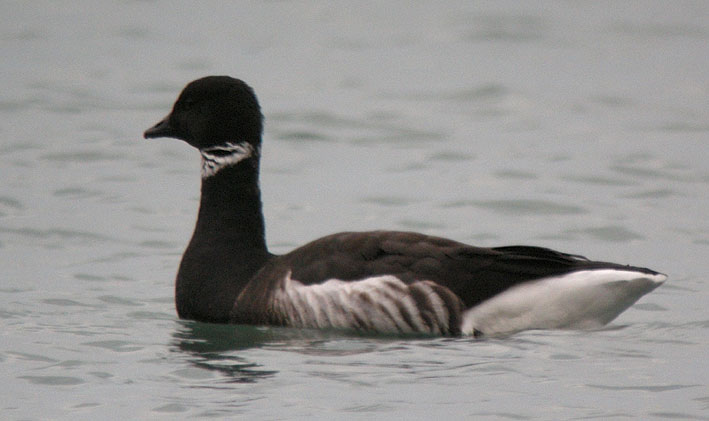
[[581, 126]]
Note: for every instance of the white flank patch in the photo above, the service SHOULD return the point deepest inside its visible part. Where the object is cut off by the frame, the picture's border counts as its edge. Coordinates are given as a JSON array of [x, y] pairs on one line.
[[579, 300], [216, 158], [380, 304]]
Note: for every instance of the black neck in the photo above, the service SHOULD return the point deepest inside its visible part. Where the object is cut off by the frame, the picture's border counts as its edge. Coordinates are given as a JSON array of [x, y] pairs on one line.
[[230, 207], [228, 245]]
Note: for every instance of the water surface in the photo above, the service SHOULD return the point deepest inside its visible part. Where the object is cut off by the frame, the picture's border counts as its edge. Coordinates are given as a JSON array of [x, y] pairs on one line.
[[580, 126]]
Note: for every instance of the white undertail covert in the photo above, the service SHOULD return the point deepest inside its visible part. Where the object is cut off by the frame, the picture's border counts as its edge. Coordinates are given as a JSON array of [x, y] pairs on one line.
[[585, 299]]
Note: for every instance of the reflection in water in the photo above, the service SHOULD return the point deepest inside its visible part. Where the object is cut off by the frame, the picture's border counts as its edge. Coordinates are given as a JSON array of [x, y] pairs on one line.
[[214, 346], [210, 347]]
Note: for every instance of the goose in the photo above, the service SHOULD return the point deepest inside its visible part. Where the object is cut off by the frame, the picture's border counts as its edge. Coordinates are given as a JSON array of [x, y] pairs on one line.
[[378, 281]]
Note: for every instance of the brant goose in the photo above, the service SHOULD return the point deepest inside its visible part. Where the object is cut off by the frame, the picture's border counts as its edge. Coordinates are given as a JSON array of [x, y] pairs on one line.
[[380, 281]]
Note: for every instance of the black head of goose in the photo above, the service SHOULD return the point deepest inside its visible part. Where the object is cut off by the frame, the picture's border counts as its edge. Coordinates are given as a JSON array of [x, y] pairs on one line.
[[380, 281]]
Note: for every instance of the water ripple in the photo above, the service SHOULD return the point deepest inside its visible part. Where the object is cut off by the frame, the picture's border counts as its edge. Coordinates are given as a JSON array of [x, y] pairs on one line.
[[55, 235], [76, 192], [64, 302], [389, 200], [10, 203], [359, 131], [656, 29], [505, 28], [609, 233], [304, 135], [53, 380], [515, 175], [521, 207], [451, 156], [645, 388], [172, 408], [83, 156], [599, 180], [652, 194], [115, 345]]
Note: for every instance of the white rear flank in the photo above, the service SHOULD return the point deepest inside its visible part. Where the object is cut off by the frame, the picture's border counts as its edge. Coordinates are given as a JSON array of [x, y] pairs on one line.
[[380, 304], [579, 300]]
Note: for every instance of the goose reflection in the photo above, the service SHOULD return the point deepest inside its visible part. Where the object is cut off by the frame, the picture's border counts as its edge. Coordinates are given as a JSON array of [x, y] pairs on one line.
[[214, 347]]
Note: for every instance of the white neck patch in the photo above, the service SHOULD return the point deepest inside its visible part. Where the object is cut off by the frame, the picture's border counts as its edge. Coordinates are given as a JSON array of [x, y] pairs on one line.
[[216, 158]]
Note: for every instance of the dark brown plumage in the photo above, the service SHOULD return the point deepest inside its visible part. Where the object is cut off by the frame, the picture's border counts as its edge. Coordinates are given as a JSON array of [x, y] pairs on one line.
[[227, 274]]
